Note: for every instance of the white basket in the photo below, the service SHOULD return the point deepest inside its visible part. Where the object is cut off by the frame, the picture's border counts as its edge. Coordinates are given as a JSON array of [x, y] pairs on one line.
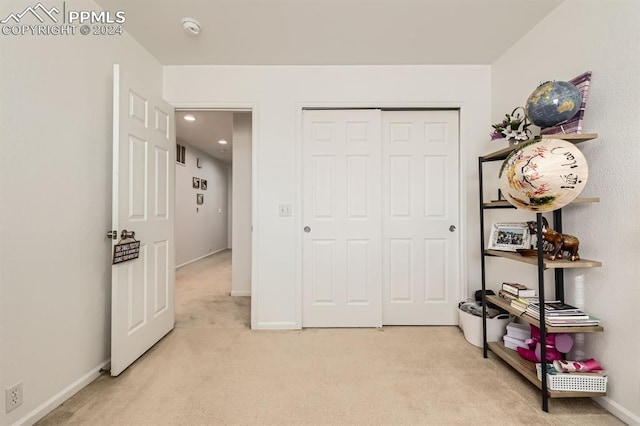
[[574, 382], [471, 326]]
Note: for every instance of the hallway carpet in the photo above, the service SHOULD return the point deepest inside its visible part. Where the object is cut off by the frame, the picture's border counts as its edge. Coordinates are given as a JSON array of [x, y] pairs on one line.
[[213, 370]]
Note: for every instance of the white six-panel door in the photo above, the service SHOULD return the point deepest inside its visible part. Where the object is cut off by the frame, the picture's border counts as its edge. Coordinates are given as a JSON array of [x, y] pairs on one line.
[[380, 198], [341, 214], [143, 201], [420, 215]]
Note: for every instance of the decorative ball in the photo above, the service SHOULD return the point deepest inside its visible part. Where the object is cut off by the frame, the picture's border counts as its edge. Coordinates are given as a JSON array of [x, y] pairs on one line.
[[543, 175], [553, 103]]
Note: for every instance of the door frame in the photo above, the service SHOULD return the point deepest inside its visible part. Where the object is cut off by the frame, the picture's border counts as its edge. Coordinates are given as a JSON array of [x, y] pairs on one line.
[[463, 142], [255, 189]]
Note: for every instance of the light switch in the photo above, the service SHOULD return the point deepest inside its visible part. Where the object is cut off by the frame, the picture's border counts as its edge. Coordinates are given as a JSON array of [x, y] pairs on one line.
[[284, 209]]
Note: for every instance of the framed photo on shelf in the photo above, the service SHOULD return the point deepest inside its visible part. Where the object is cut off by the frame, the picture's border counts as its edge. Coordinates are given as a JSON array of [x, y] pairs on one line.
[[196, 183], [509, 236], [200, 199], [203, 184]]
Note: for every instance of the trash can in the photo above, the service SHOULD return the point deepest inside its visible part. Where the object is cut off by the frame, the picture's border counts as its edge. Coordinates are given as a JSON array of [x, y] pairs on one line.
[[470, 321]]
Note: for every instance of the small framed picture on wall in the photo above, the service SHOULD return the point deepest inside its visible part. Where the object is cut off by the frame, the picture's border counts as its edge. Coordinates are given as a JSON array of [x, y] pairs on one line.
[[196, 183], [200, 199], [203, 184]]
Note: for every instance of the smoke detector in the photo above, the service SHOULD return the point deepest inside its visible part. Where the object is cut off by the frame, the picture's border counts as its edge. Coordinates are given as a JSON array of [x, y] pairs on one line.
[[191, 26]]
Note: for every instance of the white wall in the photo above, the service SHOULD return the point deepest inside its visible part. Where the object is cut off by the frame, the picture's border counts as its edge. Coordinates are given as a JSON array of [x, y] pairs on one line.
[[230, 206], [241, 255], [55, 209], [278, 94], [200, 229], [603, 37]]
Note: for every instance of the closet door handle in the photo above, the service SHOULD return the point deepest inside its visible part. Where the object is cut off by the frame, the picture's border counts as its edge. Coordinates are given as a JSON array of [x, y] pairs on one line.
[[452, 228], [307, 229]]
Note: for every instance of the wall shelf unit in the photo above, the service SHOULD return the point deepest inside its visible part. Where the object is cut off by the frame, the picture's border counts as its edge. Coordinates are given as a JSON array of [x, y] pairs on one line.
[[546, 263], [576, 139], [528, 370], [524, 367], [503, 204], [500, 302]]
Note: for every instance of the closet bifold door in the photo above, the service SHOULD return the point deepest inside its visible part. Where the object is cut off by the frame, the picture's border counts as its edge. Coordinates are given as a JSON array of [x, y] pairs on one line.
[[420, 217], [341, 212], [380, 231]]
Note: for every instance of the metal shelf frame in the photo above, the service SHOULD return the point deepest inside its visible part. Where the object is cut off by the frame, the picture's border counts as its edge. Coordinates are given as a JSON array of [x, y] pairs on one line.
[[540, 264]]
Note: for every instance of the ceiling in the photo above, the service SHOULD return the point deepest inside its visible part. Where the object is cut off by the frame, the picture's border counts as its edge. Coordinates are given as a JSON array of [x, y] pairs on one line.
[[205, 132], [321, 32], [330, 32]]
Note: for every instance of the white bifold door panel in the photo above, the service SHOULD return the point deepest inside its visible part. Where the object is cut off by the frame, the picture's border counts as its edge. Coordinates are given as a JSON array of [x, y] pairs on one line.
[[143, 202], [421, 252], [379, 209], [341, 215]]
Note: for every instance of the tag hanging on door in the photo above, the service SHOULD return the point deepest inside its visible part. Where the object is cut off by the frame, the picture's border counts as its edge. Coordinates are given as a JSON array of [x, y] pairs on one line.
[[123, 252]]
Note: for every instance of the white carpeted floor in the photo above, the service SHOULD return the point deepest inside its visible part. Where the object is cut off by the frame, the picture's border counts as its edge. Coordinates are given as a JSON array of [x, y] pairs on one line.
[[213, 370]]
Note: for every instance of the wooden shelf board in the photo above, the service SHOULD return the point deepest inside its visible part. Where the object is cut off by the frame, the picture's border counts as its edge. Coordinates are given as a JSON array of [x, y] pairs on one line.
[[500, 302], [528, 370], [499, 204], [574, 138], [548, 264]]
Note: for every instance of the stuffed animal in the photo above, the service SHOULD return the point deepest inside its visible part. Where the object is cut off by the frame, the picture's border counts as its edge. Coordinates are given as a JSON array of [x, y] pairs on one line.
[[556, 345]]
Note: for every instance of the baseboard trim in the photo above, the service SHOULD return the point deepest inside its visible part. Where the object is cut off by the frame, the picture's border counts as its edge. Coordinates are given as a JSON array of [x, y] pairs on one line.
[[200, 258], [241, 292], [62, 396], [618, 410], [277, 326]]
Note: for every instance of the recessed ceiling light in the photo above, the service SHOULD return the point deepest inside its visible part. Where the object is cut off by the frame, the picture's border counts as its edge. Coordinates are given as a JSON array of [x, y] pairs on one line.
[[222, 142], [189, 117]]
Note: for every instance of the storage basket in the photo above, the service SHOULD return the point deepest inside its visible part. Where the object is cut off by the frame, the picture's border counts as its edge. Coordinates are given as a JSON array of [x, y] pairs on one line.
[[574, 382], [471, 326]]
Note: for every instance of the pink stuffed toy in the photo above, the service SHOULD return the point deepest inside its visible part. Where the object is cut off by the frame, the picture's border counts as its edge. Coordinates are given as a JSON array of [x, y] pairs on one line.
[[556, 345]]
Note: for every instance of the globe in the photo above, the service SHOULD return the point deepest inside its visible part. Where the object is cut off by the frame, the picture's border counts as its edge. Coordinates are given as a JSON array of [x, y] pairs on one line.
[[552, 103]]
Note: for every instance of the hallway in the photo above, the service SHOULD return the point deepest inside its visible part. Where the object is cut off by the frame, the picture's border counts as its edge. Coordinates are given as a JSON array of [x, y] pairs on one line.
[[203, 297]]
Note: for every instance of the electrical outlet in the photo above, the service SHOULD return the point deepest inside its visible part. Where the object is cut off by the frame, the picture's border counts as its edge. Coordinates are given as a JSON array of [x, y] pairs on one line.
[[13, 397]]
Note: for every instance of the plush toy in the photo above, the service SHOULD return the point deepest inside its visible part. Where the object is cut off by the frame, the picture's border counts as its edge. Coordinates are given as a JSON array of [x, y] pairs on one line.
[[556, 345]]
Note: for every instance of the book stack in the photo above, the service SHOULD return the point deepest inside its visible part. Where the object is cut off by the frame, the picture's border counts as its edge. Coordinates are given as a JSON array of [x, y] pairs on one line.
[[518, 295], [516, 335], [519, 290], [562, 315]]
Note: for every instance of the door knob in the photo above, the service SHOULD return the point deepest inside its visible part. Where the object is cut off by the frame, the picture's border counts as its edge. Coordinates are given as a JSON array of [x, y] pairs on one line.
[[307, 229], [127, 234], [452, 228]]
